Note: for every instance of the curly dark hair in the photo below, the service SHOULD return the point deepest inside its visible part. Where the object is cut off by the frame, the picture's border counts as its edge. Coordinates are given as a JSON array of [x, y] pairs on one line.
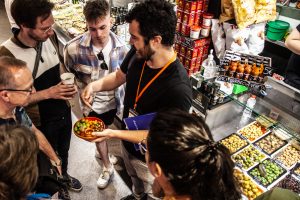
[[26, 12], [155, 17], [182, 144], [95, 9], [18, 162]]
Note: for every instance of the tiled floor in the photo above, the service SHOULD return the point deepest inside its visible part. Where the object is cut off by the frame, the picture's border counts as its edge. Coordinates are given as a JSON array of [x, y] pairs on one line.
[[82, 163]]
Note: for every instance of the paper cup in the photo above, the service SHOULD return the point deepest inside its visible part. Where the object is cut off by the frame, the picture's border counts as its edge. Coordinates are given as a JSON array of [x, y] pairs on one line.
[[67, 78]]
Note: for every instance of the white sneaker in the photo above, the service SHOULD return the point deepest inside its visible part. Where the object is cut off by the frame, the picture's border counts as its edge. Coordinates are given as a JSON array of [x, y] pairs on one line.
[[105, 177], [113, 159]]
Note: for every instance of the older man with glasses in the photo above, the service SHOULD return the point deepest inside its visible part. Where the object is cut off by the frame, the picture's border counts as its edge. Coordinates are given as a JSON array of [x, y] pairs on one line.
[[14, 94], [91, 56], [36, 44]]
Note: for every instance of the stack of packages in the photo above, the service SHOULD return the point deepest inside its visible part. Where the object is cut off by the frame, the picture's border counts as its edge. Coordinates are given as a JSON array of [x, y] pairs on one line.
[[192, 39], [247, 34]]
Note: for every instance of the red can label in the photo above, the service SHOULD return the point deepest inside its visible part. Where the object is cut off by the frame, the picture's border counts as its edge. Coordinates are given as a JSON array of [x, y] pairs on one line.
[[191, 53], [190, 6]]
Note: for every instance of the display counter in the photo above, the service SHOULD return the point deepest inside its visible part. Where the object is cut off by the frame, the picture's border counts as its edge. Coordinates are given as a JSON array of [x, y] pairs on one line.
[[265, 144]]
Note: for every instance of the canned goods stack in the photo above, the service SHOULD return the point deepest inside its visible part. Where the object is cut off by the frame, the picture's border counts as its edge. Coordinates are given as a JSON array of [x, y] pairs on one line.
[[192, 40]]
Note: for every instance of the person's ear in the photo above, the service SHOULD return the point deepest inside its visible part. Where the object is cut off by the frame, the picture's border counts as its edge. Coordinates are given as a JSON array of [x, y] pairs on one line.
[[4, 95], [156, 41], [155, 169]]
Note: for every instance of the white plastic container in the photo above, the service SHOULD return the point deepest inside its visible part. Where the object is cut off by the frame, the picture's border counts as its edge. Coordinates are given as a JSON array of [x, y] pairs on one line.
[[249, 106], [209, 67]]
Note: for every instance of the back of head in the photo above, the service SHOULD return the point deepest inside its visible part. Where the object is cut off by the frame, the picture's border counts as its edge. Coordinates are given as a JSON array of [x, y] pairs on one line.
[[194, 164], [7, 67], [26, 12], [155, 17], [18, 164], [95, 9]]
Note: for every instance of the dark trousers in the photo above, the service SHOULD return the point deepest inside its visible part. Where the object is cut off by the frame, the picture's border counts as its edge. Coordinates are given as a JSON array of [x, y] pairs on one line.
[[107, 117], [58, 132]]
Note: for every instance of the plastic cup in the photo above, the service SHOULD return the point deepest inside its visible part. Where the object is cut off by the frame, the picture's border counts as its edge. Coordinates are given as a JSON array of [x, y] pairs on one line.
[[67, 78]]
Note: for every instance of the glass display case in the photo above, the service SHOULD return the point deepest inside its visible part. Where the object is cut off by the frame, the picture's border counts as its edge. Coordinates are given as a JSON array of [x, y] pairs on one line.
[[262, 136]]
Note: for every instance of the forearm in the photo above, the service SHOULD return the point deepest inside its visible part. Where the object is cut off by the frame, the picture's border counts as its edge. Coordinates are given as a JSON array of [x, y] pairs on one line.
[[293, 42], [39, 96], [130, 136], [45, 146], [109, 82]]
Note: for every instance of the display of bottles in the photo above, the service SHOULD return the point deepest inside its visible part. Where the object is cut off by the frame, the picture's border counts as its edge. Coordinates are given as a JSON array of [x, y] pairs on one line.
[[249, 106], [209, 67]]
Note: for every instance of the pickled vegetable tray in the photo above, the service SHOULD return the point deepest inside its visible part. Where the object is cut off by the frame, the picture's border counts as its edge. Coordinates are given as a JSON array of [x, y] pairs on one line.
[[248, 157], [270, 143], [271, 174], [234, 143], [253, 131]]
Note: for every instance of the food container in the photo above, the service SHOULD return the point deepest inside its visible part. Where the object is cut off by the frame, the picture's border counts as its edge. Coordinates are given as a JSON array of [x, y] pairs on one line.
[[277, 29], [289, 155], [182, 50], [290, 182], [178, 27], [207, 19], [248, 187], [199, 5], [190, 6], [270, 143], [67, 78], [191, 53], [185, 30], [190, 63], [234, 143], [273, 173], [248, 157], [188, 18], [195, 32], [179, 14], [197, 18], [205, 30], [177, 47], [84, 127], [253, 131]]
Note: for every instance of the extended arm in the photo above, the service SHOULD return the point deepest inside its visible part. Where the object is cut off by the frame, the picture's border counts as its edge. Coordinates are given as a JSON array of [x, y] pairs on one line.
[[130, 136], [107, 83], [293, 41]]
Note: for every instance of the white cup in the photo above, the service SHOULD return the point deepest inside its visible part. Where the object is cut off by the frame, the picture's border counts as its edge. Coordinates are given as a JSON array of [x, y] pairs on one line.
[[67, 78]]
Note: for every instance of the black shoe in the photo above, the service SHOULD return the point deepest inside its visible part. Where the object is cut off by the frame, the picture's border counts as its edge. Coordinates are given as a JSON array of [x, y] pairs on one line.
[[63, 194], [132, 197], [73, 184]]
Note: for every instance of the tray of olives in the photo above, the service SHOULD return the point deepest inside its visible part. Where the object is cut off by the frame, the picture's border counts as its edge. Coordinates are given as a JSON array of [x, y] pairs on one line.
[[289, 156], [270, 143], [234, 142], [267, 173], [253, 131], [248, 157], [84, 127], [247, 185], [290, 182]]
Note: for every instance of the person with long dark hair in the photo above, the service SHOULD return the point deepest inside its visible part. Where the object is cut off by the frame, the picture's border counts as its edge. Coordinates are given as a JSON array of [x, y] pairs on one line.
[[185, 160]]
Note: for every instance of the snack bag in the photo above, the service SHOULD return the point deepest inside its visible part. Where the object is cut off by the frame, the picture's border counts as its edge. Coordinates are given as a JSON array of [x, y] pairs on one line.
[[218, 38], [244, 11], [265, 10], [256, 41], [236, 38]]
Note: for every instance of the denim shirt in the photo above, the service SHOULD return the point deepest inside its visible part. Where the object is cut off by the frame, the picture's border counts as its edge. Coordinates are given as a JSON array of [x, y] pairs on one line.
[[79, 51]]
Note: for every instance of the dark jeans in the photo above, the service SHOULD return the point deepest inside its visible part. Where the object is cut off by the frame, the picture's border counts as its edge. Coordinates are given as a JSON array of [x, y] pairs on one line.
[[58, 132], [107, 117]]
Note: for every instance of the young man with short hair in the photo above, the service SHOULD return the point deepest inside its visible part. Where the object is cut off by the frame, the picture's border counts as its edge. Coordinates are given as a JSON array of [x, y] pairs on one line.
[[91, 56], [155, 79]]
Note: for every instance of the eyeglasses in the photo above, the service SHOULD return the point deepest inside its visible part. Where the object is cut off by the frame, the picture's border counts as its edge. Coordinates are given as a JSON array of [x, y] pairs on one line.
[[17, 90], [100, 57], [47, 29], [142, 148]]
